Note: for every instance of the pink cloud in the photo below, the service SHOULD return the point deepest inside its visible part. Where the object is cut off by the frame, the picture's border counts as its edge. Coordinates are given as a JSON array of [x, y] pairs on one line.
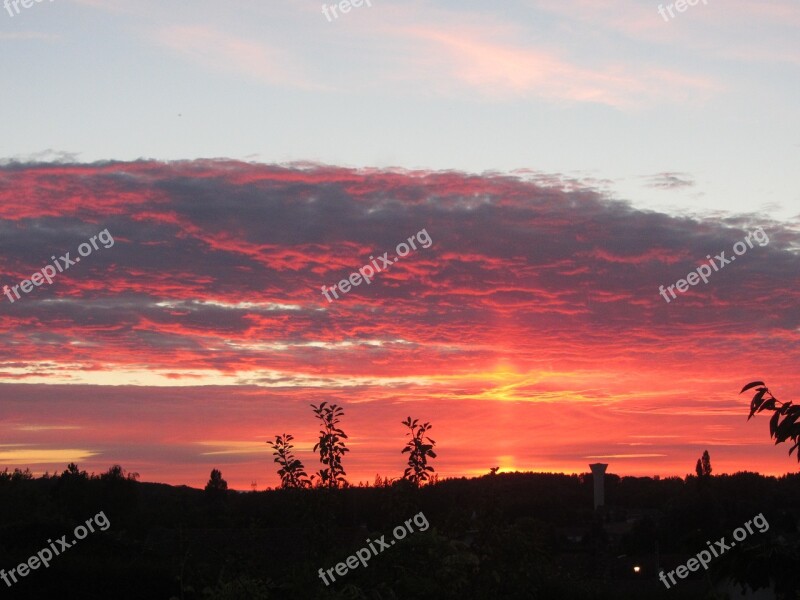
[[501, 70]]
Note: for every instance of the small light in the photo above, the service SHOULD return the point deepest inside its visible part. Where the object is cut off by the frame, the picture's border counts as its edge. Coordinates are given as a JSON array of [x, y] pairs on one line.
[[636, 569]]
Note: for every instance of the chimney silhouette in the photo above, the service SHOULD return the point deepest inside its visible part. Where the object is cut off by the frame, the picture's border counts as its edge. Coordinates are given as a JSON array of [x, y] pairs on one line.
[[599, 476]]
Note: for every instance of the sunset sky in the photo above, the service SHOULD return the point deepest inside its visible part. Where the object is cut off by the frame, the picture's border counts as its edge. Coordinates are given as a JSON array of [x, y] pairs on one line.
[[566, 158]]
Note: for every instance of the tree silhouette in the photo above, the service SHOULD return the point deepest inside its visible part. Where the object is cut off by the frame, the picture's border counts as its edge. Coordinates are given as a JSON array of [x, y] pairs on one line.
[[17, 475], [115, 473], [706, 464], [292, 471], [703, 466], [703, 469], [216, 484], [780, 429], [73, 472], [330, 445], [419, 451], [216, 495]]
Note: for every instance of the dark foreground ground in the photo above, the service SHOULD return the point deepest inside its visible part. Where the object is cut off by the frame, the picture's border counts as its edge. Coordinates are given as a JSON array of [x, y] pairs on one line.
[[510, 536]]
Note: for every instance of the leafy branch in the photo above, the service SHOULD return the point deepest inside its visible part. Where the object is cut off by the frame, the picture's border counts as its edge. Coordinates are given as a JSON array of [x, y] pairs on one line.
[[783, 425]]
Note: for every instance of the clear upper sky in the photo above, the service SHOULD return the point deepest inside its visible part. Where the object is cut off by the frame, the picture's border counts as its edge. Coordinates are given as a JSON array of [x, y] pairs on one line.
[[698, 112]]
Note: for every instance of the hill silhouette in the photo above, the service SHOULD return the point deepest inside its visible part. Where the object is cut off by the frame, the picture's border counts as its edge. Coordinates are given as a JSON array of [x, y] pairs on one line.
[[512, 535]]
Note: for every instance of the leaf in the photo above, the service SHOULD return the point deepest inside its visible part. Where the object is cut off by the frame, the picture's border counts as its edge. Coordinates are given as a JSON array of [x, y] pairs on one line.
[[773, 424], [750, 385], [768, 405], [783, 430], [757, 400]]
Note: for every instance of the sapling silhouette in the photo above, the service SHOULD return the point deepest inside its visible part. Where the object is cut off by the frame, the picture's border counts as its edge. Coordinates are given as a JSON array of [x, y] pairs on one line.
[[419, 451], [292, 471], [330, 445], [780, 429]]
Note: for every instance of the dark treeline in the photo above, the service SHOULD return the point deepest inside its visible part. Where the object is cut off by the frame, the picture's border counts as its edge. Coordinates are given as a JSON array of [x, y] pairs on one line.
[[518, 535]]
